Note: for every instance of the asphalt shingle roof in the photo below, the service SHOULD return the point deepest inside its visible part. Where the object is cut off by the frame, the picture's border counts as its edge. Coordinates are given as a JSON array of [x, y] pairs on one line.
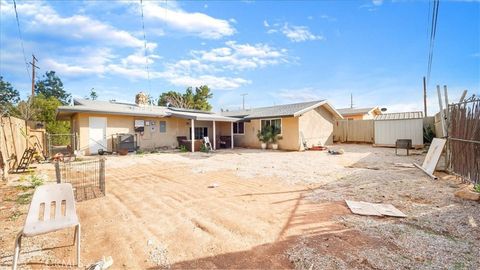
[[119, 108], [273, 111]]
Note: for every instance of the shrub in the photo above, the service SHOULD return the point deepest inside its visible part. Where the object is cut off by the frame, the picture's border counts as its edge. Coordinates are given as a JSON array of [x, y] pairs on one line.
[[183, 148], [476, 188], [204, 149]]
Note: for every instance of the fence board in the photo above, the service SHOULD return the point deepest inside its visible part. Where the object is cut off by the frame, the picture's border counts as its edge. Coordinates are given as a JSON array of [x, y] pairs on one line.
[[353, 131], [15, 137]]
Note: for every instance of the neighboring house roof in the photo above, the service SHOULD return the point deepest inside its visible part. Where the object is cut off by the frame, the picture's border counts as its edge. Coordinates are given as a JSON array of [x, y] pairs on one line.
[[295, 109], [355, 111], [119, 108], [399, 116]]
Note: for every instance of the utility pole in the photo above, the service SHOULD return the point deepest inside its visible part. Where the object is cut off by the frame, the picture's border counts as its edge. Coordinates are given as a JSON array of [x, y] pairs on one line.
[[425, 96], [33, 73], [351, 101], [243, 102]]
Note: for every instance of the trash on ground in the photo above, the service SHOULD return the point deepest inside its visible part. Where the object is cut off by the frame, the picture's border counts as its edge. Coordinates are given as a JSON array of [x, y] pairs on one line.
[[103, 264], [336, 152], [214, 185], [374, 209], [404, 165]]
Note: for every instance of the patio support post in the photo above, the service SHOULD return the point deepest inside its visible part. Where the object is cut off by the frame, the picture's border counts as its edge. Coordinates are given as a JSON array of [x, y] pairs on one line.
[[231, 134], [214, 137], [192, 134]]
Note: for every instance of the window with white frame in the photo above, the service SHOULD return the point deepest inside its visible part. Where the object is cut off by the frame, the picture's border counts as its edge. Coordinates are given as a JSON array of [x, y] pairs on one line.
[[239, 128], [274, 123]]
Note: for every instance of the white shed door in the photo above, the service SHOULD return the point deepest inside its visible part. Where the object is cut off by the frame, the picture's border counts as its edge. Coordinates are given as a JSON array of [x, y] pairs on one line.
[[97, 134]]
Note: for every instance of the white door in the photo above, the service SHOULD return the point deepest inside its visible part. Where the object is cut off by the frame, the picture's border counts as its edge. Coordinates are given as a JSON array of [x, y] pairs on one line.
[[97, 134]]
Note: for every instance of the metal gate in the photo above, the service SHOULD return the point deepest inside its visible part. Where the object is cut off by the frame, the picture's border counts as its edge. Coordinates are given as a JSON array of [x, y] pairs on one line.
[[87, 177], [65, 144], [464, 139]]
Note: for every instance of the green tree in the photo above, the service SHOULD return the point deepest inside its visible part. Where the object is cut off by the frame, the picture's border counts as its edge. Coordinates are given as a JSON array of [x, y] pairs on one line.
[[9, 96], [52, 86], [46, 112], [93, 94], [197, 100]]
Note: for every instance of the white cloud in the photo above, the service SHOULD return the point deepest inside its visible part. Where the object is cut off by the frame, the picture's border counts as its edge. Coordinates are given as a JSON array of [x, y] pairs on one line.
[[266, 24], [199, 24], [377, 2], [42, 18], [242, 56], [299, 33], [209, 67]]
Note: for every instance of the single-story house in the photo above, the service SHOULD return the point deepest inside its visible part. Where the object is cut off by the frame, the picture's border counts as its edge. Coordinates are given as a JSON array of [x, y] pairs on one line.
[[107, 124], [360, 113], [309, 123], [100, 124]]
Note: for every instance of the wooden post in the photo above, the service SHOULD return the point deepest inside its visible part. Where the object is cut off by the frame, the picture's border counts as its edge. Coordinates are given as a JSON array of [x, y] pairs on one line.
[[447, 112], [57, 172], [102, 174], [192, 134], [442, 115], [425, 96], [33, 73], [231, 134], [214, 136], [463, 95]]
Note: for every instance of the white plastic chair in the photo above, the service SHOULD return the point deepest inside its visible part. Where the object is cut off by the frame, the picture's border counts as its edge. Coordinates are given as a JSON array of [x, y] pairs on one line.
[[52, 209], [206, 142]]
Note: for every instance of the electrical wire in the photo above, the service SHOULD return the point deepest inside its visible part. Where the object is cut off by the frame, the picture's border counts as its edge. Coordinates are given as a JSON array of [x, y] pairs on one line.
[[21, 39], [145, 45], [433, 32]]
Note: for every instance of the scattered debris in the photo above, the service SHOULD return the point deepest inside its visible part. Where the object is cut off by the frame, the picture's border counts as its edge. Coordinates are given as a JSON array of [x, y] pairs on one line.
[[214, 185], [467, 193], [404, 165], [336, 152], [472, 222], [103, 264], [432, 157], [374, 209]]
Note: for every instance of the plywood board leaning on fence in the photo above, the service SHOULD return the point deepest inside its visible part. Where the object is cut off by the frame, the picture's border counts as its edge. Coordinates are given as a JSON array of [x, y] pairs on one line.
[[432, 157]]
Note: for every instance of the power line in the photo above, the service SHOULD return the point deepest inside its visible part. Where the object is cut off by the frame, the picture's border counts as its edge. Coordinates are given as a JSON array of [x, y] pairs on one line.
[[145, 45], [433, 32], [21, 39]]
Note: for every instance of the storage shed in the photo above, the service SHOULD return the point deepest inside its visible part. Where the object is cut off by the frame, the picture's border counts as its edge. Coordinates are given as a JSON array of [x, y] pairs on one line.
[[390, 127]]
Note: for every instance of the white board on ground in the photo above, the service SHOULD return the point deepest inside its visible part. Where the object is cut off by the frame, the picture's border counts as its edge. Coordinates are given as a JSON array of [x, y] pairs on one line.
[[433, 155], [374, 209]]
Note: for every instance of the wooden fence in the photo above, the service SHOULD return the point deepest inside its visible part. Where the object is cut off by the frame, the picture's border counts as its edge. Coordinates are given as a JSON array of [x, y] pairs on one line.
[[16, 135], [464, 140], [353, 131]]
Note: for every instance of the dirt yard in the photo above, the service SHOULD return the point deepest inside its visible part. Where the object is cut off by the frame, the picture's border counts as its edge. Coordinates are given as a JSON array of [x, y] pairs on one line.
[[266, 209]]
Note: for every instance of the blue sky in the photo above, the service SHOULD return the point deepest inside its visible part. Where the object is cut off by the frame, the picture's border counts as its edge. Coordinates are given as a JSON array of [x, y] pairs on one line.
[[276, 52]]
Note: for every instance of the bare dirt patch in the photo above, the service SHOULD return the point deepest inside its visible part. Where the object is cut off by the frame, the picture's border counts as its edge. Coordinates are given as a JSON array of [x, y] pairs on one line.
[[271, 209]]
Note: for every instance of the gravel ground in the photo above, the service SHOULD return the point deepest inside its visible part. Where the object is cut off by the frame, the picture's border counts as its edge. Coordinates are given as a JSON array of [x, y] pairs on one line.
[[303, 217]]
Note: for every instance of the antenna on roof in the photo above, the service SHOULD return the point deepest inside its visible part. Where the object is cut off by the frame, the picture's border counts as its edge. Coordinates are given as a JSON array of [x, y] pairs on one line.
[[243, 102]]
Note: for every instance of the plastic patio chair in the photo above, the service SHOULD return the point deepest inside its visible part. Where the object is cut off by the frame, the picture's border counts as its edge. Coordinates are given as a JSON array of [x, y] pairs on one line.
[[52, 209], [206, 142]]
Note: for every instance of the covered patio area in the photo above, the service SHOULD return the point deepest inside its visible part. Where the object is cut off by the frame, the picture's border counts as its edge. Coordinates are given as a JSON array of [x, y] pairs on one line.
[[219, 129]]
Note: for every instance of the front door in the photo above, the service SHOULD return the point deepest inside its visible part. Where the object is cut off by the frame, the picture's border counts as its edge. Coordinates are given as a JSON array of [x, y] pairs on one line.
[[97, 134]]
